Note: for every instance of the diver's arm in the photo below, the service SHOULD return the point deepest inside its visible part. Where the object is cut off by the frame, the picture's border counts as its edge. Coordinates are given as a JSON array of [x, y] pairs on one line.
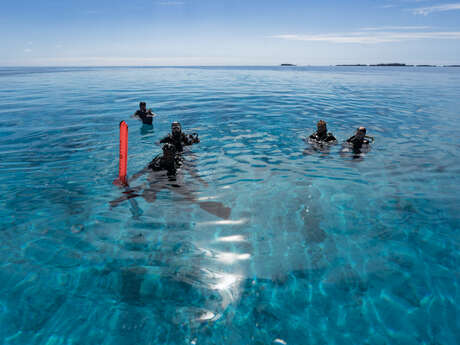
[[166, 139], [350, 139], [150, 113], [190, 139]]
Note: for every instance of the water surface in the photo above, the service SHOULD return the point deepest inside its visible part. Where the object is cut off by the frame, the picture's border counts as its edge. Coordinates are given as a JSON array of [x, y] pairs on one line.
[[320, 247]]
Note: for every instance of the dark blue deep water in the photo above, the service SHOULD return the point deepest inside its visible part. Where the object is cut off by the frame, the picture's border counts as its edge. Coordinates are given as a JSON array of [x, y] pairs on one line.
[[321, 247]]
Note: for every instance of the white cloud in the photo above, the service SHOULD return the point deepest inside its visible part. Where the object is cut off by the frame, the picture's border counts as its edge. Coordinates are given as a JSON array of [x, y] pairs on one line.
[[27, 50], [379, 28], [371, 37], [332, 38], [439, 8]]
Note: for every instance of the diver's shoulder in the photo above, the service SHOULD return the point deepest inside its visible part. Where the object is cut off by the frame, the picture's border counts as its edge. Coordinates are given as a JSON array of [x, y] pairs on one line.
[[166, 139], [330, 137]]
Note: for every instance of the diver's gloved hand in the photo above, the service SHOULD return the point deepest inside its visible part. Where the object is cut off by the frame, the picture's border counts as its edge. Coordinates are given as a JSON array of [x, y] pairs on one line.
[[194, 138]]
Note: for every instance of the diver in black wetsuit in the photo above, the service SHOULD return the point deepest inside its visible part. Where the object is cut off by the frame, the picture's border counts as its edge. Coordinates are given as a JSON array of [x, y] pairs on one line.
[[170, 161], [146, 116], [178, 138], [358, 140], [321, 135], [320, 141], [163, 173], [358, 143]]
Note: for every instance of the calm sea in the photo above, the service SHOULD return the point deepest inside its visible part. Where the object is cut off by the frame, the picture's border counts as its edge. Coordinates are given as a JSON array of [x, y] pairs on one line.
[[321, 246]]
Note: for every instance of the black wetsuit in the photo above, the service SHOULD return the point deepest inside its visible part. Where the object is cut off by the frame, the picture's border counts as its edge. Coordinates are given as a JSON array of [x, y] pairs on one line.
[[324, 136], [144, 116], [160, 163], [181, 141], [357, 142]]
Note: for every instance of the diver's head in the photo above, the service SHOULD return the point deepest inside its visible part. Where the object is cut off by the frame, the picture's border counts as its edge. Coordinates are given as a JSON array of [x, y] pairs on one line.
[[360, 133], [176, 128], [142, 106], [321, 127], [169, 151]]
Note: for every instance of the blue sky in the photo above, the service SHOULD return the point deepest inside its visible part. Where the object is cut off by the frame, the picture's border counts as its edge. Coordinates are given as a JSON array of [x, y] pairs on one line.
[[205, 32]]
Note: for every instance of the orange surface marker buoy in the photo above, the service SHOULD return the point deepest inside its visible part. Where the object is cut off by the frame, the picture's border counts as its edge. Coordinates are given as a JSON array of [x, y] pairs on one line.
[[123, 163]]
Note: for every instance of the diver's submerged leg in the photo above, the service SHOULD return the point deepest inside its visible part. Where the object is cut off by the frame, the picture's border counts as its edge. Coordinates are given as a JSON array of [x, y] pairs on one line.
[[128, 194], [135, 209], [216, 208], [150, 195]]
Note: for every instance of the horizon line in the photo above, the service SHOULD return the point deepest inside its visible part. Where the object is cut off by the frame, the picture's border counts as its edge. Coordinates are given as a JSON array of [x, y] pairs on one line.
[[244, 65]]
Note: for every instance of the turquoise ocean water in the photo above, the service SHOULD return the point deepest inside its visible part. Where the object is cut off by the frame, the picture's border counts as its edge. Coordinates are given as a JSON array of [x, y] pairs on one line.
[[320, 247]]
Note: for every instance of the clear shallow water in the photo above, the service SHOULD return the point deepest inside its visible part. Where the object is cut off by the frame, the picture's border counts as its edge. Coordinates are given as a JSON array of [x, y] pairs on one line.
[[320, 248]]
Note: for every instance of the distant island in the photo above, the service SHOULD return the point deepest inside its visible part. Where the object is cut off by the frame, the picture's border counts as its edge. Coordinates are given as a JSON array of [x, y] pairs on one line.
[[393, 64], [287, 64]]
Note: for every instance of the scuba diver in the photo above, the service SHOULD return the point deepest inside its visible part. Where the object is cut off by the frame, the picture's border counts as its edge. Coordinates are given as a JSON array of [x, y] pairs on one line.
[[321, 140], [359, 139], [170, 161], [163, 173], [178, 138], [358, 143], [146, 116], [321, 134]]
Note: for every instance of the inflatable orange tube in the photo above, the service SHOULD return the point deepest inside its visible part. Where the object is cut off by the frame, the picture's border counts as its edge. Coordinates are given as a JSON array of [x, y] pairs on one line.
[[123, 162]]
